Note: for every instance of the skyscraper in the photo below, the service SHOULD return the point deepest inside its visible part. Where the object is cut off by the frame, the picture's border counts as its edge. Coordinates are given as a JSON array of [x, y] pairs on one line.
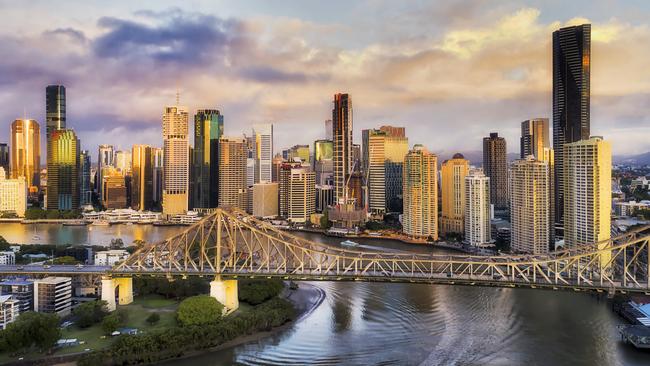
[[453, 174], [420, 218], [396, 146], [299, 152], [495, 165], [142, 177], [4, 158], [54, 120], [158, 163], [323, 163], [233, 152], [297, 192], [530, 211], [105, 158], [63, 171], [208, 128], [329, 129], [263, 152], [477, 209], [123, 162], [587, 191], [375, 175], [13, 194], [342, 138], [571, 99], [176, 160], [85, 189], [26, 150], [534, 138]]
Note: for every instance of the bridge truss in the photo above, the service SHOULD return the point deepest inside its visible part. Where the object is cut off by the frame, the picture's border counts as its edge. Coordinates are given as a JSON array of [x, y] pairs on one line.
[[229, 243]]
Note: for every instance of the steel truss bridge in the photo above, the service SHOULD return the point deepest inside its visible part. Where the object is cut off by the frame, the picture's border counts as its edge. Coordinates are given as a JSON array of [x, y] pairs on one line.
[[230, 244]]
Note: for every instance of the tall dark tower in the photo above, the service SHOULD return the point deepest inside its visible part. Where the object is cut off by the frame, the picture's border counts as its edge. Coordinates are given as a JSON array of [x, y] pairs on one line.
[[54, 108], [571, 70], [54, 121], [495, 166], [342, 133]]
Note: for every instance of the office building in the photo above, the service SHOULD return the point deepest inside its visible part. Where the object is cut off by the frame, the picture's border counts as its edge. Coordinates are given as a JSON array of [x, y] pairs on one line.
[[342, 138], [329, 129], [375, 178], [123, 160], [324, 197], [208, 128], [53, 295], [26, 151], [142, 177], [13, 195], [495, 166], [63, 171], [115, 192], [250, 172], [587, 191], [297, 192], [277, 165], [299, 153], [453, 173], [158, 163], [323, 162], [263, 152], [571, 99], [534, 138], [530, 210], [420, 218], [477, 209], [55, 120], [175, 161], [85, 185], [233, 152], [4, 158], [265, 199], [396, 146], [21, 290], [9, 310], [105, 158]]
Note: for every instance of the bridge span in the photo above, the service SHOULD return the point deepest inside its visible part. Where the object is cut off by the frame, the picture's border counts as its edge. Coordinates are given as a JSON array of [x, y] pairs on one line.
[[229, 244]]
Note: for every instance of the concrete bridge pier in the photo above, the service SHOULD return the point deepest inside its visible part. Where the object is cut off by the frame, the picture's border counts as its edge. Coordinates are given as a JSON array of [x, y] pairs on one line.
[[225, 291], [124, 296]]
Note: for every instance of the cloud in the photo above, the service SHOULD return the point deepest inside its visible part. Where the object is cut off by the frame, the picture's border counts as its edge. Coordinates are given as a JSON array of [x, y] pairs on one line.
[[74, 34]]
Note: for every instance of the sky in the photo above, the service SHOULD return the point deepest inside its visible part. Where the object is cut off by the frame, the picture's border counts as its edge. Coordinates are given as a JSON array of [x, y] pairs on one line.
[[450, 72]]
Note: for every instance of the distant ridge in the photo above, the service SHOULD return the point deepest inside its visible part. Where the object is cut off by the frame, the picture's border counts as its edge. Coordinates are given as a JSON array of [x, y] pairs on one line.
[[640, 159]]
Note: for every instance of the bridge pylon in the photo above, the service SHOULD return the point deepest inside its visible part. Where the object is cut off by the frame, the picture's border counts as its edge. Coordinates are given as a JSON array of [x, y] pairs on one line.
[[225, 291], [124, 286]]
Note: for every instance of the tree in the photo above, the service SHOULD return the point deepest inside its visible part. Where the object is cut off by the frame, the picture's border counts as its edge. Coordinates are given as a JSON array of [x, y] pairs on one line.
[[153, 318], [257, 291], [199, 310], [65, 260], [117, 243], [111, 322], [35, 213], [90, 313], [33, 329]]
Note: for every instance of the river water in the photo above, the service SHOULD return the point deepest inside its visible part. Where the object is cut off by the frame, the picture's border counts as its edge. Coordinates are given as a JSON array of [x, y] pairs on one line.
[[409, 324]]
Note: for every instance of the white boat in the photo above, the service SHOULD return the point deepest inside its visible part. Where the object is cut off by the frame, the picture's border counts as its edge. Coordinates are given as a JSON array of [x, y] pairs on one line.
[[349, 243], [100, 223]]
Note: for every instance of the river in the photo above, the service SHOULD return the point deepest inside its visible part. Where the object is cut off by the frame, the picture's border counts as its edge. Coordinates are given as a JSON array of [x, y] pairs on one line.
[[409, 324]]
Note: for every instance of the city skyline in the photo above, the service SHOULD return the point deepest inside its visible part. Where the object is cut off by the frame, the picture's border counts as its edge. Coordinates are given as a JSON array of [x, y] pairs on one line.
[[520, 90]]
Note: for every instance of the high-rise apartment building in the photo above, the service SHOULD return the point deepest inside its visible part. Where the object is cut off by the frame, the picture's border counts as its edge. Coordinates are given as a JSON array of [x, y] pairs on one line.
[[26, 151], [297, 192], [208, 128], [587, 191], [263, 152], [534, 138], [142, 180], [63, 171], [85, 188], [13, 194], [477, 209], [175, 160], [342, 138], [495, 166], [420, 218], [530, 211], [4, 158], [265, 199], [233, 152], [453, 172], [571, 99], [105, 158]]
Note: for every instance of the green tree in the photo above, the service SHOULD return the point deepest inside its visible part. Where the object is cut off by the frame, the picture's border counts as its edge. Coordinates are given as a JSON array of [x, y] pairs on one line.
[[111, 322], [258, 291], [33, 329], [153, 318], [117, 243], [199, 310], [53, 214], [65, 260], [325, 222], [90, 313]]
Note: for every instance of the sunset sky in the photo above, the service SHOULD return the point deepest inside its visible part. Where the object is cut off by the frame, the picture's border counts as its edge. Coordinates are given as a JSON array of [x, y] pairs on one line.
[[450, 72]]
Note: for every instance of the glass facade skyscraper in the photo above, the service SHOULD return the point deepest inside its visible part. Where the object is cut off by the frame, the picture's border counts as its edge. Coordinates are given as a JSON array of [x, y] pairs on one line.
[[571, 99], [208, 128], [63, 172]]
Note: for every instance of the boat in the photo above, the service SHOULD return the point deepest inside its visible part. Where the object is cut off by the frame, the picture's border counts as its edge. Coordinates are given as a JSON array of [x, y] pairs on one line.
[[349, 243], [100, 223], [129, 223]]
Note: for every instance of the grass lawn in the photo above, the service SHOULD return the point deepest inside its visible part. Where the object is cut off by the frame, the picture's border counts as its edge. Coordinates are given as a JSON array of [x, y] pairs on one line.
[[155, 302]]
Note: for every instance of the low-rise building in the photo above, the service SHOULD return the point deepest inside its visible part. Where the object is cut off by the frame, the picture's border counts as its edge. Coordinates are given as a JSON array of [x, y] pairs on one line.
[[9, 310], [627, 209], [21, 290], [110, 257], [53, 295], [7, 258]]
